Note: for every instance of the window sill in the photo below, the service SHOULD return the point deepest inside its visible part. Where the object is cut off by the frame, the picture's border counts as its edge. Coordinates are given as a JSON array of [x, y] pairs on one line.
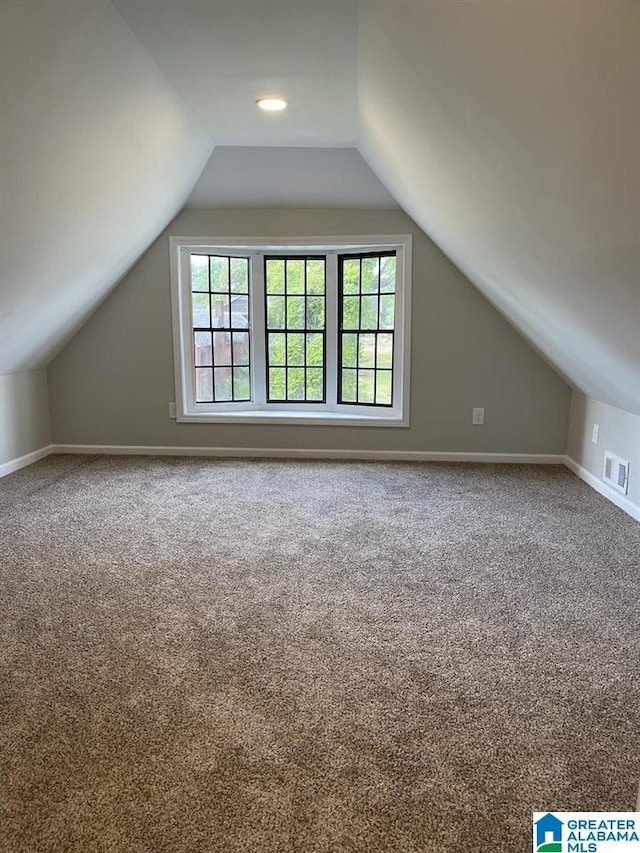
[[291, 418]]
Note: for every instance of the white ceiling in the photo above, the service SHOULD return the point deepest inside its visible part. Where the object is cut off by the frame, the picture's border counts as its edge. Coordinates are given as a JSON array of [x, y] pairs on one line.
[[222, 56], [98, 153], [288, 177], [509, 131]]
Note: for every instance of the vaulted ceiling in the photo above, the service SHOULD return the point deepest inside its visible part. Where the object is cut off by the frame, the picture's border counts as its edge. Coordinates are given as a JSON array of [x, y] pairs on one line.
[[97, 154], [221, 55], [509, 131]]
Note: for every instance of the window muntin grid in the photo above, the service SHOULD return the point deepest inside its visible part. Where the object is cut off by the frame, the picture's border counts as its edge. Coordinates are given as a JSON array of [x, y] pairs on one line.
[[367, 306], [258, 409], [295, 328], [221, 324]]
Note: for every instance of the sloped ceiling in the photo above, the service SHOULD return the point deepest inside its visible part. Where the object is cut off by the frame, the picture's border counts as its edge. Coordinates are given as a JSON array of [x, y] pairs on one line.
[[237, 176], [98, 153], [221, 55], [511, 133]]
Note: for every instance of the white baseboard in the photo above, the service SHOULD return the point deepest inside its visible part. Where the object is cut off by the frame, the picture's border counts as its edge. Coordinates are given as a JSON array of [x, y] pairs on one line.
[[307, 453], [291, 453], [610, 494], [22, 461]]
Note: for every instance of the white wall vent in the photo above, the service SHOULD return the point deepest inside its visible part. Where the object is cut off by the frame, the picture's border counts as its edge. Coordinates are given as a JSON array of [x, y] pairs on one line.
[[616, 472]]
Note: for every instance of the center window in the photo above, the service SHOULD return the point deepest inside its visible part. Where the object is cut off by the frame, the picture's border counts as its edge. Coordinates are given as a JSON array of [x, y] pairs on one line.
[[295, 290], [292, 334]]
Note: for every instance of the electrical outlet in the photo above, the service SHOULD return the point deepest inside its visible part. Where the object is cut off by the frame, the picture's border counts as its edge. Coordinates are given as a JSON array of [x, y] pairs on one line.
[[172, 411], [595, 433], [477, 418]]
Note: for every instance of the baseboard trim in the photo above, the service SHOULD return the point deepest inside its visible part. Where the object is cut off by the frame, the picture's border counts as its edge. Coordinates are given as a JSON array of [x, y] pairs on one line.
[[23, 461], [308, 453], [591, 480]]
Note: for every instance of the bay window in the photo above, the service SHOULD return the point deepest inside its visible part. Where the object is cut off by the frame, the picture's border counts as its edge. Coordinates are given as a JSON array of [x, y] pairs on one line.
[[307, 331]]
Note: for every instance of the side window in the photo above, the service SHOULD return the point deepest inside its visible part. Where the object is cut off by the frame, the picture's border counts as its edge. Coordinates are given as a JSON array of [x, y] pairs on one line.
[[221, 328], [367, 309]]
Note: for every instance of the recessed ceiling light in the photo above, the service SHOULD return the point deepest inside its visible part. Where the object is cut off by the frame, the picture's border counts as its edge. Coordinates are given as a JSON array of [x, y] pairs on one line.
[[272, 105]]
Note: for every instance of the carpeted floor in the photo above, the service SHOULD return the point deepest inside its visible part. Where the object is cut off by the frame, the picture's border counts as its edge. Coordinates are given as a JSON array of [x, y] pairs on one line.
[[210, 655]]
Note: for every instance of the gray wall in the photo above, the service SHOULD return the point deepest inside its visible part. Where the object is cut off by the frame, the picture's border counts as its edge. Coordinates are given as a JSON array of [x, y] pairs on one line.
[[24, 414], [619, 433], [112, 382]]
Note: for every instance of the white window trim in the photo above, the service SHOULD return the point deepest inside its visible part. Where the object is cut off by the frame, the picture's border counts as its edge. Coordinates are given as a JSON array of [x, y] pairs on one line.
[[258, 411]]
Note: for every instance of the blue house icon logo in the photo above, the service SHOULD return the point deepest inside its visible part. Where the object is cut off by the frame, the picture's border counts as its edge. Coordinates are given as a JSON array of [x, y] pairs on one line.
[[548, 834]]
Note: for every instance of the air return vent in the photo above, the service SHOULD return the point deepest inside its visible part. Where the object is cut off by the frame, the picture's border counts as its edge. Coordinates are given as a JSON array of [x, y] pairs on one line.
[[616, 472]]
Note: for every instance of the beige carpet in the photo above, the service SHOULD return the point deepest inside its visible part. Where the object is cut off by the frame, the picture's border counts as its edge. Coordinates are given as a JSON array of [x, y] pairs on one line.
[[202, 655]]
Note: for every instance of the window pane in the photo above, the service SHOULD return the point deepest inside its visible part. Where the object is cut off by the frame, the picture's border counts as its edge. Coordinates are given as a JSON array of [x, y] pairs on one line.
[[388, 275], [295, 350], [371, 313], [315, 312], [277, 387], [298, 312], [240, 312], [219, 311], [228, 353], [202, 349], [221, 348], [387, 311], [348, 386], [200, 272], [366, 379], [315, 350], [385, 350], [367, 351], [277, 349], [241, 348], [349, 350], [241, 383], [351, 312], [295, 307], [315, 276], [204, 385], [370, 275], [383, 387], [295, 276], [201, 316], [296, 383], [295, 312], [369, 316], [275, 276], [315, 390], [222, 384], [219, 274], [275, 312], [351, 276], [239, 275]]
